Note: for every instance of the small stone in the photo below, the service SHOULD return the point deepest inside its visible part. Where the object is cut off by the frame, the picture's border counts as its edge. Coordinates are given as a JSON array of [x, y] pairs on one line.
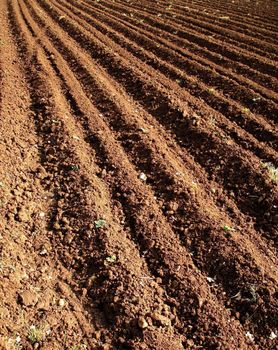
[[210, 280], [23, 215], [28, 298], [43, 252], [18, 339], [143, 177], [144, 131], [142, 323], [62, 302], [103, 173], [250, 337], [272, 336]]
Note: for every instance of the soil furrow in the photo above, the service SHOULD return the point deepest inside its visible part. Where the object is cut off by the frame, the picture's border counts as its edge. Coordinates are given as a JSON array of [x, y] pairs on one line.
[[193, 137], [51, 143], [237, 19], [225, 86], [76, 231], [258, 11], [237, 11], [128, 29], [87, 74], [213, 29], [142, 224], [182, 47], [99, 102], [232, 25], [262, 65]]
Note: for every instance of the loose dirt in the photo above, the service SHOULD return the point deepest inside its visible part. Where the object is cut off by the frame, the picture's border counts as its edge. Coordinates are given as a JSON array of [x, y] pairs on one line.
[[138, 178]]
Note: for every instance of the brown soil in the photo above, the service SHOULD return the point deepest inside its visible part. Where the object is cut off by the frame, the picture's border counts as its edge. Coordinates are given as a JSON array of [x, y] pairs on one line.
[[138, 178]]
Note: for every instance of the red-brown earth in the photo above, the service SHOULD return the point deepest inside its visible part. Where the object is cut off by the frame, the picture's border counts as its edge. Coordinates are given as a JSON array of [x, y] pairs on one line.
[[138, 177]]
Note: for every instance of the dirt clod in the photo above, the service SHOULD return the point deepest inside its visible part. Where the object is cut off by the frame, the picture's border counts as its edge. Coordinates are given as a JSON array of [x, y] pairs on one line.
[[142, 323], [23, 215], [162, 320], [28, 298]]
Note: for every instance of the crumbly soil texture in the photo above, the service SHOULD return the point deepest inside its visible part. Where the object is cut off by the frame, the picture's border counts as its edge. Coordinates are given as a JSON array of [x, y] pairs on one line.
[[138, 174]]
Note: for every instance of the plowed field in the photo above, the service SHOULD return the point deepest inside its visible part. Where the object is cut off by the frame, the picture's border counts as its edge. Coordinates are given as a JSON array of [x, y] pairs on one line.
[[138, 174]]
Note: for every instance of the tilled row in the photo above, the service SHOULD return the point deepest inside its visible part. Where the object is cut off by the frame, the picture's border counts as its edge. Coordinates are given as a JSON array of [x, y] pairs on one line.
[[144, 48], [194, 136], [215, 10], [84, 76], [261, 64], [210, 27], [188, 48], [80, 199], [218, 101], [105, 299], [86, 73]]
